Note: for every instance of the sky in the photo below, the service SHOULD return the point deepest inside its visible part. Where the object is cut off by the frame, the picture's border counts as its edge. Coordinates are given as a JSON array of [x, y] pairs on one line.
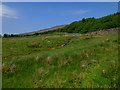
[[60, 0], [22, 17]]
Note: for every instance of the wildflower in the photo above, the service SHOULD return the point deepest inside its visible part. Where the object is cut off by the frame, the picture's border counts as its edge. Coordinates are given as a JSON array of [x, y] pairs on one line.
[[103, 71]]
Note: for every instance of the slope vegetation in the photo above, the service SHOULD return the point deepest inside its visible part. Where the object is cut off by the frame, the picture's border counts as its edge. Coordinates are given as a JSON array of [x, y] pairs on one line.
[[92, 24]]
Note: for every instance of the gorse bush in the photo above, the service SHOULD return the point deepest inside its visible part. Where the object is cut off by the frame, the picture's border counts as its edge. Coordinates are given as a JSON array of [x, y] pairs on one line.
[[92, 24]]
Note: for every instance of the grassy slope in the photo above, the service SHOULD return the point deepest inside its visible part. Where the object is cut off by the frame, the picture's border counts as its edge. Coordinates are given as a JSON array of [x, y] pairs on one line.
[[44, 30], [45, 61]]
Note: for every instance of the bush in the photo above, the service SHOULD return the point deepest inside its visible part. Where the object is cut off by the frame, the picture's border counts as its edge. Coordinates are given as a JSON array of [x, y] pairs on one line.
[[5, 35]]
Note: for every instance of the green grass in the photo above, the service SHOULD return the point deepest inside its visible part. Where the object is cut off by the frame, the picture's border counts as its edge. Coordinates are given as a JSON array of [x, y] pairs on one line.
[[59, 61]]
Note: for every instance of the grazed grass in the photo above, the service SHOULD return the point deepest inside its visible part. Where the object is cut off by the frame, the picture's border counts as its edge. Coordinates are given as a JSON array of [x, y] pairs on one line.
[[61, 61]]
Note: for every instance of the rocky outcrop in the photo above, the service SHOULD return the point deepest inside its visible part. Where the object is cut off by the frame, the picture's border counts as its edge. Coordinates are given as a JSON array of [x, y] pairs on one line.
[[105, 31]]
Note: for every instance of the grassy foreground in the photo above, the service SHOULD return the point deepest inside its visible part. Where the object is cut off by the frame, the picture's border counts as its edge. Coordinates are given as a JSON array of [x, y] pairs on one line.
[[60, 61]]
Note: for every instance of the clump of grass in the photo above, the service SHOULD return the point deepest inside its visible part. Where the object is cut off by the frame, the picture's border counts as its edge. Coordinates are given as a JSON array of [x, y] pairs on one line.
[[37, 58], [8, 68]]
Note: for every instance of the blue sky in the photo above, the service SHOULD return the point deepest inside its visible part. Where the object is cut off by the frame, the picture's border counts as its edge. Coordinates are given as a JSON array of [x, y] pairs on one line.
[[24, 17]]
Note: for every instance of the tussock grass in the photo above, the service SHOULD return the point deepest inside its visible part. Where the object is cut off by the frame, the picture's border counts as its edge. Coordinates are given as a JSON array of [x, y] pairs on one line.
[[87, 61]]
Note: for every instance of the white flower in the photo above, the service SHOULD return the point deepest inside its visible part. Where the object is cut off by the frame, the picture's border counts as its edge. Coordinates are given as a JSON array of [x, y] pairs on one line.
[[103, 71]]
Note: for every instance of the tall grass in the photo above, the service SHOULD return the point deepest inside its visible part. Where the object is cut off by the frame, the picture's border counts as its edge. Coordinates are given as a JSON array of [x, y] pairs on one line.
[[61, 61]]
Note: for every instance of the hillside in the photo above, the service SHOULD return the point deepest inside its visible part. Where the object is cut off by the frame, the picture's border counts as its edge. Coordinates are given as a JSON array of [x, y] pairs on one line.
[[44, 30], [92, 24], [83, 26]]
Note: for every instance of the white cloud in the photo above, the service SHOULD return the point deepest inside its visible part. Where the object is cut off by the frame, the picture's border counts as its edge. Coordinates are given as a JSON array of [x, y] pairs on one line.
[[76, 12], [81, 11], [7, 12]]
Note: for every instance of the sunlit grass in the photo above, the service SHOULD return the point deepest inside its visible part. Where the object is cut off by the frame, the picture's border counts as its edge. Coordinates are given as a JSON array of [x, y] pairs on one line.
[[61, 61]]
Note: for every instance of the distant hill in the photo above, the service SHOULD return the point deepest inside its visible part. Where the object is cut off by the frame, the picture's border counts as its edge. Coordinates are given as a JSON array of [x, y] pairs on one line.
[[92, 24], [44, 30], [83, 26]]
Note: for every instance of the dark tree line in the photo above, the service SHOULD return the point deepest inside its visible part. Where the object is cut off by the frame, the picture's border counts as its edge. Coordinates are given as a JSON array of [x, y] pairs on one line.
[[35, 34], [10, 35], [14, 35]]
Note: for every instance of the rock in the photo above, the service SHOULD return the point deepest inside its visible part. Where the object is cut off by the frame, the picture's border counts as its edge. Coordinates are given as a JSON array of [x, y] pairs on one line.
[[82, 66], [63, 45]]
